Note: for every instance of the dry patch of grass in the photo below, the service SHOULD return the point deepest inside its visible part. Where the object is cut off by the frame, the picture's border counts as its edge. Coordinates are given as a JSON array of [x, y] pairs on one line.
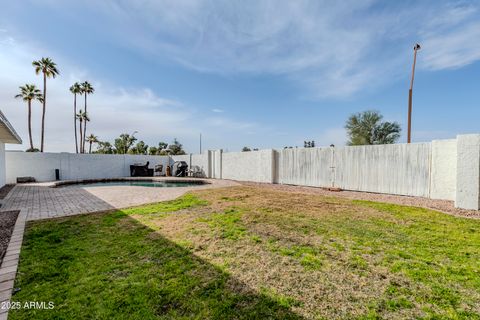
[[333, 258], [322, 257]]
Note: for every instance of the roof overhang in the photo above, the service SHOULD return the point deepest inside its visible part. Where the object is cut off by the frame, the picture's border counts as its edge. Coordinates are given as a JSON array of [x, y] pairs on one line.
[[7, 133]]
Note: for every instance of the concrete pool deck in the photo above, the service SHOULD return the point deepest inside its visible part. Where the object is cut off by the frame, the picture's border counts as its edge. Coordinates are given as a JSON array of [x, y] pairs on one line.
[[42, 201]]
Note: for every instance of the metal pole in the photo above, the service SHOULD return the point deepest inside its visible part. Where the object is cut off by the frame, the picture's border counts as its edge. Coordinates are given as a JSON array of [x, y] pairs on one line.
[[200, 143], [410, 93]]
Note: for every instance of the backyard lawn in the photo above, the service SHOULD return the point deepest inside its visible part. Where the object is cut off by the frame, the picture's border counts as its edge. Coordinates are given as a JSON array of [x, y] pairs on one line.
[[252, 252]]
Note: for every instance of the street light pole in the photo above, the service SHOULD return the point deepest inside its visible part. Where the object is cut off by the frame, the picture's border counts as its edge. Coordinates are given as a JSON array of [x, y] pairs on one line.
[[416, 47]]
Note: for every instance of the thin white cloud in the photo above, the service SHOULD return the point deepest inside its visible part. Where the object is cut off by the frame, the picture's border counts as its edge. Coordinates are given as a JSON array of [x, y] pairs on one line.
[[452, 49], [330, 49], [112, 108], [451, 38], [216, 110]]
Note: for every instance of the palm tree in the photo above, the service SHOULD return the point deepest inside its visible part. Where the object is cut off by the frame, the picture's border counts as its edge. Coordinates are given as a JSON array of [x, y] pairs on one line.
[[28, 93], [86, 89], [91, 139], [49, 69], [367, 128], [75, 89], [82, 117]]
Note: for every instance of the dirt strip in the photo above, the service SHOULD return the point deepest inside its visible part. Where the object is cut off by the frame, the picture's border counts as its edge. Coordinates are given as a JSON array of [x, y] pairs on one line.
[[439, 205], [7, 222], [5, 190]]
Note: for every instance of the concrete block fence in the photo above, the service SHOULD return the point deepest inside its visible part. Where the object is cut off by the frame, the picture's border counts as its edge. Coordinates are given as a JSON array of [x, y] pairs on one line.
[[441, 169]]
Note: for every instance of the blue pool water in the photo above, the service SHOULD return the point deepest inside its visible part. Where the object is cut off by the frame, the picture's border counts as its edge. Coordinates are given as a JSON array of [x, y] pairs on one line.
[[133, 183]]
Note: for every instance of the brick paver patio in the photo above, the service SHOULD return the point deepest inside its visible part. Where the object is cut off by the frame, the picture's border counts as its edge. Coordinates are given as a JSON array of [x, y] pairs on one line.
[[40, 201]]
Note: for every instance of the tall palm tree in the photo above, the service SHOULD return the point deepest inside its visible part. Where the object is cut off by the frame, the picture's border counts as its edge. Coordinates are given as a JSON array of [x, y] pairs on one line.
[[28, 93], [49, 69], [82, 118], [76, 88], [87, 88], [91, 139]]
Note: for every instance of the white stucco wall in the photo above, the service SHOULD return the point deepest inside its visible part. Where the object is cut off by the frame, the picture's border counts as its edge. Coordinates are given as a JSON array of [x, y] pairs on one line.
[[73, 166], [256, 166], [467, 193], [443, 169], [3, 178]]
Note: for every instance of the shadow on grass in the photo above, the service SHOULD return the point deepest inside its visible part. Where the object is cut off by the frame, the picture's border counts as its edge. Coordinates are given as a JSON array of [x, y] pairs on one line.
[[110, 266]]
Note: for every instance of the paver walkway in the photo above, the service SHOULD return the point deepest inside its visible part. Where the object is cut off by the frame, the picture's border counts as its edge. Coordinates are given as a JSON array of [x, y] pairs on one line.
[[40, 201]]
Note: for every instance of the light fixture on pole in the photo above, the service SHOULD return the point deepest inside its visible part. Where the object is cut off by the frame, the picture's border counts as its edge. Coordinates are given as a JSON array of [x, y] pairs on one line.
[[416, 47]]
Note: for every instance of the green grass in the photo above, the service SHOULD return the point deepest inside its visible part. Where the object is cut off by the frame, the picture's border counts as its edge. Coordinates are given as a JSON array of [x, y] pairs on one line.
[[185, 202], [253, 254], [227, 224], [109, 266]]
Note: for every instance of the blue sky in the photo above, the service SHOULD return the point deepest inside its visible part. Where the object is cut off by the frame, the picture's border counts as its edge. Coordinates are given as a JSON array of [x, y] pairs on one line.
[[244, 73]]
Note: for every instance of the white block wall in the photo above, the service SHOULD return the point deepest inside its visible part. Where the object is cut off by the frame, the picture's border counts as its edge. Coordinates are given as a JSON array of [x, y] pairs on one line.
[[3, 177], [467, 193], [257, 166], [443, 169], [73, 166]]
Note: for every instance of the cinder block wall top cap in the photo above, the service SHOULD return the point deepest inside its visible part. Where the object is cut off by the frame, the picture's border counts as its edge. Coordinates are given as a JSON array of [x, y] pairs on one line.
[[469, 135]]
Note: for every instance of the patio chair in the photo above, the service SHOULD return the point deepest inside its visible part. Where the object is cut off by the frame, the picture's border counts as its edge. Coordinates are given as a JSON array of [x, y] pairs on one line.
[[195, 171], [158, 170]]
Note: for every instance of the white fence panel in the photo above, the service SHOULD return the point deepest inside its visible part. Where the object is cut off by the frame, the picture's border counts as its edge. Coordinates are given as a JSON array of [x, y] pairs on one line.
[[305, 167], [402, 169]]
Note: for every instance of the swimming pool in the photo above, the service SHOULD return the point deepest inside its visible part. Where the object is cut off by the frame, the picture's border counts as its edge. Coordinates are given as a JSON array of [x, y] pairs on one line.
[[135, 183]]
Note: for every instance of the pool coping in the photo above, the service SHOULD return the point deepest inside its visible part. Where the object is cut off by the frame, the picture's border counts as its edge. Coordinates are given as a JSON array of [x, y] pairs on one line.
[[62, 183], [55, 184]]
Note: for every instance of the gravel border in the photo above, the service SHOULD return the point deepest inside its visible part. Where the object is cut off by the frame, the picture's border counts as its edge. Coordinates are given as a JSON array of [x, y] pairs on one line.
[[9, 266], [5, 190], [444, 206], [7, 223]]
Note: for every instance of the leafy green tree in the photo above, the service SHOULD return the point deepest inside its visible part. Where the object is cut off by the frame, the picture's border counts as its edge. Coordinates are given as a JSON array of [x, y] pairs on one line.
[[367, 128], [246, 149], [160, 150], [153, 151], [176, 148], [91, 139], [28, 93], [49, 70], [87, 89], [75, 89], [105, 147], [139, 148], [124, 143], [162, 145]]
